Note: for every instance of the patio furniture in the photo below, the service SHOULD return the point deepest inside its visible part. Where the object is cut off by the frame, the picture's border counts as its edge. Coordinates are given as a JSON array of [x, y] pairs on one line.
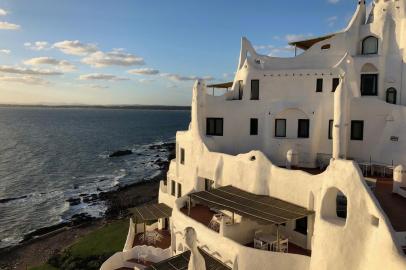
[[284, 246], [258, 244]]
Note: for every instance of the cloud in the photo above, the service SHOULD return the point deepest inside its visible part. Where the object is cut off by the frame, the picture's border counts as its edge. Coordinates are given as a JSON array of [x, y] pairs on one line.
[[143, 71], [5, 51], [333, 1], [332, 20], [9, 26], [102, 77], [114, 58], [75, 47], [179, 78], [31, 80], [28, 71], [297, 37], [37, 46], [61, 64], [3, 12], [96, 86], [272, 50]]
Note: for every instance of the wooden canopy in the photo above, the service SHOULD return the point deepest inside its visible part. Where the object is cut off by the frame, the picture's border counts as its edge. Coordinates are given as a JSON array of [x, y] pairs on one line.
[[306, 44], [225, 85], [181, 262], [150, 212], [262, 209]]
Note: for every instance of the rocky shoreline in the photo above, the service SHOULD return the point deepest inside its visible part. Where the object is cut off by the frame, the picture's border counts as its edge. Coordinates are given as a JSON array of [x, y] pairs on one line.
[[117, 202]]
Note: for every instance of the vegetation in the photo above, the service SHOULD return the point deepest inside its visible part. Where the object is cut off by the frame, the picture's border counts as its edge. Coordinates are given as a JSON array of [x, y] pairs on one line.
[[92, 250]]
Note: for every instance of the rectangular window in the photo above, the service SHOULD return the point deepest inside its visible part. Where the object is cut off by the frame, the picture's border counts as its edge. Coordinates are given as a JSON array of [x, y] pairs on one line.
[[240, 89], [254, 126], [319, 85], [301, 225], [254, 89], [208, 184], [330, 129], [173, 186], [214, 126], [357, 130], [280, 128], [336, 82], [179, 190], [303, 128], [182, 156], [369, 84]]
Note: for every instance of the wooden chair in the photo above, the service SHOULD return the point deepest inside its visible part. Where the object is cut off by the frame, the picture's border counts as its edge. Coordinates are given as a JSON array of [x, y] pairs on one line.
[[284, 245]]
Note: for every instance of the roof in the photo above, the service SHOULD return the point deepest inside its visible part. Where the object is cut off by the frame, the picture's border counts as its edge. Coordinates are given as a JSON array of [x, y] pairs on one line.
[[221, 85], [181, 261], [306, 44], [263, 209], [150, 212]]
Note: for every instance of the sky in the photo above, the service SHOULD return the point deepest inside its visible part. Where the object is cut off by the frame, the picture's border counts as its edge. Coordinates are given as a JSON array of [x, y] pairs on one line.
[[143, 52]]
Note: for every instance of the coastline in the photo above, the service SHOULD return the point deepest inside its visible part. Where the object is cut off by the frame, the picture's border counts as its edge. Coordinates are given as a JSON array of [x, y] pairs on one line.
[[51, 240]]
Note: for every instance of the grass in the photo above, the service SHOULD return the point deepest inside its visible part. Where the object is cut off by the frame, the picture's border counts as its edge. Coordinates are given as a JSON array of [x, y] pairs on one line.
[[44, 267]]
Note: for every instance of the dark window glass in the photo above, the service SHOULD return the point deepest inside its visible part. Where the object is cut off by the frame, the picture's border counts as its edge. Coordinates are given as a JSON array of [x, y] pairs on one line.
[[182, 156], [179, 190], [214, 126], [357, 130], [280, 127], [391, 95], [336, 82], [254, 89], [341, 206], [319, 85], [370, 45], [369, 84], [330, 129], [240, 89], [173, 186], [303, 128], [254, 126], [208, 184], [301, 225]]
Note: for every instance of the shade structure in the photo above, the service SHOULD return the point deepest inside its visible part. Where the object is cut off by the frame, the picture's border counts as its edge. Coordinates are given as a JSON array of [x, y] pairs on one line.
[[221, 85], [181, 262], [260, 208], [150, 212], [306, 44]]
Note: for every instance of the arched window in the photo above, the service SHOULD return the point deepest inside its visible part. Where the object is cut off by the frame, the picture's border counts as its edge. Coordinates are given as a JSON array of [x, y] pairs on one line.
[[334, 206], [370, 45], [369, 80], [391, 95]]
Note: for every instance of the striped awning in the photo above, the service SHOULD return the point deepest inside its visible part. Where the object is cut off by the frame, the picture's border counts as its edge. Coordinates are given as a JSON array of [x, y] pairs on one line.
[[150, 212], [262, 209]]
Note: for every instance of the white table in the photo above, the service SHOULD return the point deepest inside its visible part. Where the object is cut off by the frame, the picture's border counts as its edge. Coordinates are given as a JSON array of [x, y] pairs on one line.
[[267, 238]]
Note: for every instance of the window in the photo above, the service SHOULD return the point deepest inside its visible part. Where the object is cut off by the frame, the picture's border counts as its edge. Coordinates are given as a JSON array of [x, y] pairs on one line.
[[301, 225], [254, 89], [334, 207], [208, 184], [391, 95], [254, 126], [173, 186], [336, 82], [303, 128], [319, 85], [179, 190], [182, 156], [214, 126], [330, 129], [357, 130], [240, 89], [280, 127], [369, 84], [370, 45], [325, 47], [341, 209]]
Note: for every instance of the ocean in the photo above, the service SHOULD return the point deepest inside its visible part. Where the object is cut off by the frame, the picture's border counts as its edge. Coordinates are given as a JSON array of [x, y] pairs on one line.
[[48, 155]]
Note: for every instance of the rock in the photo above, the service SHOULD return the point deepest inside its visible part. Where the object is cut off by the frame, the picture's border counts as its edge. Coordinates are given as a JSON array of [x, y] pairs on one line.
[[73, 201], [81, 218], [121, 153]]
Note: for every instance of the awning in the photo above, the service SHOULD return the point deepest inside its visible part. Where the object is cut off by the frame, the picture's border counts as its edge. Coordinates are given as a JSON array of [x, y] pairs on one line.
[[150, 212], [263, 209], [306, 44], [181, 262], [221, 85]]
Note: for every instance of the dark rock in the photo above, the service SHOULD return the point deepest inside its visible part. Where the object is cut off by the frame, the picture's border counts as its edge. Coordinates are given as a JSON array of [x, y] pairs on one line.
[[12, 199], [73, 201], [81, 218], [121, 153]]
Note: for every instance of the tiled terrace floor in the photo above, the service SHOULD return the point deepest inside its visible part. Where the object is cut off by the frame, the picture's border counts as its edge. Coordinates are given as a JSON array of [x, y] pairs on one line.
[[164, 243]]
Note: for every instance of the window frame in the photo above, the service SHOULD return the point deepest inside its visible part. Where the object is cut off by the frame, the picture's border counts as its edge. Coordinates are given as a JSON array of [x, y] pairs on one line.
[[208, 184], [252, 89], [299, 135], [376, 76], [182, 156], [330, 129], [215, 133], [335, 83], [353, 137], [391, 90], [254, 132], [276, 126], [363, 47], [319, 85]]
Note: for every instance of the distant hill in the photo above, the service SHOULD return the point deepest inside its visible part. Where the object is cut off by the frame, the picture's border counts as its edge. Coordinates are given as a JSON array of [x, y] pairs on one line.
[[118, 107]]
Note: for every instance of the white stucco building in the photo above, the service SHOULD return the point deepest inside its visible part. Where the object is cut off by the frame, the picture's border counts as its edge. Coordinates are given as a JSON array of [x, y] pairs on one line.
[[339, 107]]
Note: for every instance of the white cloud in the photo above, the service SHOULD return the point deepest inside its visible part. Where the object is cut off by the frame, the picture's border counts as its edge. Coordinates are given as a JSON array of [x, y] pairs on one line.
[[28, 71], [333, 1], [102, 77], [143, 71], [75, 47], [5, 51], [31, 80], [95, 86], [178, 78], [272, 50], [37, 46], [332, 20], [114, 58], [297, 37], [60, 64], [9, 26], [3, 12]]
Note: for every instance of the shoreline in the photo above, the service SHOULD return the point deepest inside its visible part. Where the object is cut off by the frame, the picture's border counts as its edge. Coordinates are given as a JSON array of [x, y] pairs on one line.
[[50, 240]]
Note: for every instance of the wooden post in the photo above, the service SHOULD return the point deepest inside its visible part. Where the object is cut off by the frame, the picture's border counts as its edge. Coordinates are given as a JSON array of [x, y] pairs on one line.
[[233, 219], [277, 238]]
